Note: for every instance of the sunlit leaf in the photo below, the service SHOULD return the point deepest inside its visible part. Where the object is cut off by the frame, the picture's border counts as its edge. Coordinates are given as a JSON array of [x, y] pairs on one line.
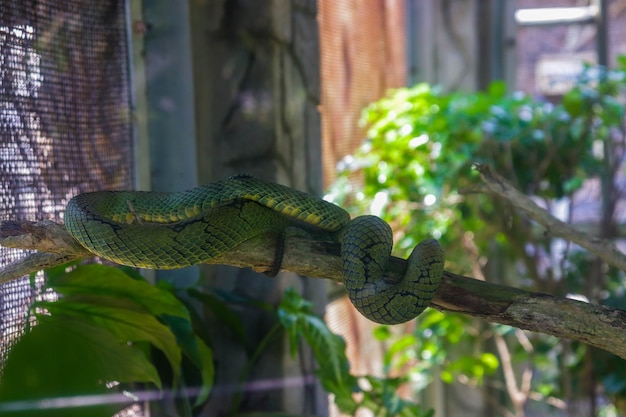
[[104, 280]]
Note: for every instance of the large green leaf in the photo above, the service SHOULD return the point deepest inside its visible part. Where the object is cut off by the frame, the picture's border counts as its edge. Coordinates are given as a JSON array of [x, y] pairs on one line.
[[133, 310], [105, 280], [123, 320], [61, 366]]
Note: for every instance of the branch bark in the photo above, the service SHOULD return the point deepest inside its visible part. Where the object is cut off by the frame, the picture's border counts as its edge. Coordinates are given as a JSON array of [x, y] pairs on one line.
[[596, 325], [604, 249]]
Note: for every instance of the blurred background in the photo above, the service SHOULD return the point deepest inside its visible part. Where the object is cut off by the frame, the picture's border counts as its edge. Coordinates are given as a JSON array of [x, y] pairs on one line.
[[379, 105]]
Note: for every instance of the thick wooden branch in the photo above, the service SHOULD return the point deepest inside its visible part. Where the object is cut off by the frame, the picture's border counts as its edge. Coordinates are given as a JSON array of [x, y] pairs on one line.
[[596, 325], [602, 248], [53, 244]]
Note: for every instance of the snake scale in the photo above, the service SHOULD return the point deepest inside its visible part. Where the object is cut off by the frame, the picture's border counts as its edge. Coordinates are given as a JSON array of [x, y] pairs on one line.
[[174, 230]]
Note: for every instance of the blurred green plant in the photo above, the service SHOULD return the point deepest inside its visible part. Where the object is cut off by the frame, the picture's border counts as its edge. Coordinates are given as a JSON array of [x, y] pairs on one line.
[[350, 392], [94, 342], [415, 171]]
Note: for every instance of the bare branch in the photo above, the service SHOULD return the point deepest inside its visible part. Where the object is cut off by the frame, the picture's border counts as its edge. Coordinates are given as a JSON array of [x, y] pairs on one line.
[[602, 248], [595, 325], [54, 245], [518, 395], [43, 236]]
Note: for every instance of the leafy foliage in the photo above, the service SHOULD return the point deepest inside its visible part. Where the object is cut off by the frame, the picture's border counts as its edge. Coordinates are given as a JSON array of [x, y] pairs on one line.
[[350, 392], [97, 339], [99, 332], [415, 171]]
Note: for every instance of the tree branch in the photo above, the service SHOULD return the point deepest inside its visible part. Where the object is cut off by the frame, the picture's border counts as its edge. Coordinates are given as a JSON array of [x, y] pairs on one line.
[[54, 245], [602, 248], [596, 325]]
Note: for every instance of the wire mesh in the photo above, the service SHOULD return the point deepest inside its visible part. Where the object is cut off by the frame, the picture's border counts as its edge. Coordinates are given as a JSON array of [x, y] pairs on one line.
[[64, 119]]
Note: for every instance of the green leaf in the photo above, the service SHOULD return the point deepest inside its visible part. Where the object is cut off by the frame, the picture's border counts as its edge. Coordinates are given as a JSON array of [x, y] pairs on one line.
[[447, 376], [572, 184], [490, 361], [58, 270], [113, 282], [196, 350], [621, 62], [398, 348], [185, 336], [127, 324], [296, 316], [63, 360], [207, 371], [291, 308], [129, 311], [382, 333], [497, 89]]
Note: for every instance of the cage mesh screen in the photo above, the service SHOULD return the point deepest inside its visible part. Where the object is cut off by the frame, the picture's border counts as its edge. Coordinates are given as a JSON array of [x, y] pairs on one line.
[[64, 119], [362, 46]]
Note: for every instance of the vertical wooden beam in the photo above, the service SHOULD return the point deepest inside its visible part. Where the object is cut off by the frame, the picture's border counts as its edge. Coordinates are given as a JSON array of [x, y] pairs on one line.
[[170, 103]]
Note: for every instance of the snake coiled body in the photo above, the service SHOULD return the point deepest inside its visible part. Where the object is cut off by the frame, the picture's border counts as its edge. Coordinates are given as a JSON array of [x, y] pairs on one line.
[[174, 230]]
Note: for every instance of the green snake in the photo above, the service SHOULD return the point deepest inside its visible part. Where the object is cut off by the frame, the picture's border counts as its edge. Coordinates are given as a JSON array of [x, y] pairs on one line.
[[174, 230]]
